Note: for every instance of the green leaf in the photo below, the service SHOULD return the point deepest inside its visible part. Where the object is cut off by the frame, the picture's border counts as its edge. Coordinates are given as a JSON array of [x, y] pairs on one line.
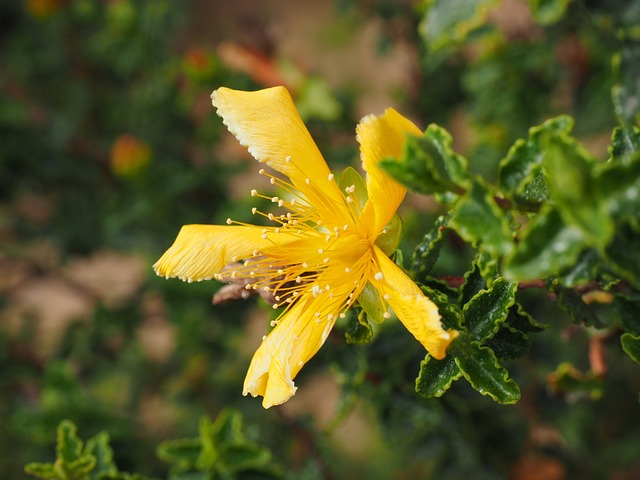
[[620, 183], [473, 284], [99, 448], [426, 253], [182, 453], [488, 309], [245, 456], [628, 310], [41, 470], [548, 12], [429, 164], [520, 320], [358, 330], [449, 22], [69, 446], [631, 345], [520, 176], [594, 314], [570, 173], [547, 246], [479, 220], [581, 272], [436, 376], [626, 92], [509, 343], [481, 369], [625, 141]]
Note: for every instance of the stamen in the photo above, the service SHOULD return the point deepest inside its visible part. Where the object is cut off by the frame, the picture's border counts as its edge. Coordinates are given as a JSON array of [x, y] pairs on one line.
[[229, 221], [330, 178], [254, 210], [254, 192], [386, 315], [288, 159], [378, 276]]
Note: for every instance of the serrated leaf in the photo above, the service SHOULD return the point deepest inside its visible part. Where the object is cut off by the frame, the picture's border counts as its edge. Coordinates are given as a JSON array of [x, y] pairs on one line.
[[620, 183], [474, 282], [548, 12], [41, 470], [98, 446], [426, 253], [358, 330], [226, 428], [450, 314], [520, 176], [570, 173], [69, 446], [631, 346], [479, 220], [594, 314], [547, 246], [244, 457], [484, 313], [429, 164], [81, 466], [485, 374], [183, 452], [520, 320], [581, 272], [625, 141], [436, 376], [509, 343], [628, 313], [449, 22]]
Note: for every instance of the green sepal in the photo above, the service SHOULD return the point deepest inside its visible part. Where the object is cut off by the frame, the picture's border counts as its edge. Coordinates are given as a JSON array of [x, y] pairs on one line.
[[448, 22], [479, 220], [574, 189], [389, 240], [548, 12], [426, 253], [359, 330], [436, 376], [482, 370], [547, 246], [350, 176], [631, 346], [488, 309], [429, 164], [372, 303], [520, 176], [451, 316]]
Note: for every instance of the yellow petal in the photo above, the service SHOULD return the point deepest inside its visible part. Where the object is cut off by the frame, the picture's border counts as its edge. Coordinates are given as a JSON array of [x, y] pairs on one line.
[[202, 251], [298, 336], [267, 122], [418, 314], [382, 137]]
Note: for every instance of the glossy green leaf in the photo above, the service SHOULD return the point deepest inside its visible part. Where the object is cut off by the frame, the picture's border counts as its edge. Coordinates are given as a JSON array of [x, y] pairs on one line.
[[358, 329], [429, 164], [474, 282], [69, 446], [547, 246], [631, 345], [520, 320], [99, 448], [45, 471], [509, 343], [582, 271], [628, 310], [449, 22], [622, 256], [426, 253], [619, 181], [548, 12], [593, 314], [479, 220], [481, 369], [520, 176], [245, 457], [436, 376], [486, 311], [182, 452], [570, 173]]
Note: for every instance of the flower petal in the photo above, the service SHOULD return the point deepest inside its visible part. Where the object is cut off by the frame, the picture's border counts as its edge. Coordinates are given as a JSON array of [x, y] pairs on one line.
[[299, 334], [267, 122], [202, 251], [382, 137], [418, 314]]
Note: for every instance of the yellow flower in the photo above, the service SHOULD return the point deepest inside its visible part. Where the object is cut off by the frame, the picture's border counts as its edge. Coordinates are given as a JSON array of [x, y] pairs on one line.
[[321, 252]]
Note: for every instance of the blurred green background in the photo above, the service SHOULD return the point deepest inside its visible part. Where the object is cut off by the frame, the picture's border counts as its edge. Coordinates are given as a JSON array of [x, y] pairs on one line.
[[109, 143]]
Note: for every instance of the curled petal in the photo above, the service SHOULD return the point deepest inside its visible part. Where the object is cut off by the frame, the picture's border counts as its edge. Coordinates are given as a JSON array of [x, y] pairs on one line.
[[382, 137], [417, 313], [267, 122], [200, 252]]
